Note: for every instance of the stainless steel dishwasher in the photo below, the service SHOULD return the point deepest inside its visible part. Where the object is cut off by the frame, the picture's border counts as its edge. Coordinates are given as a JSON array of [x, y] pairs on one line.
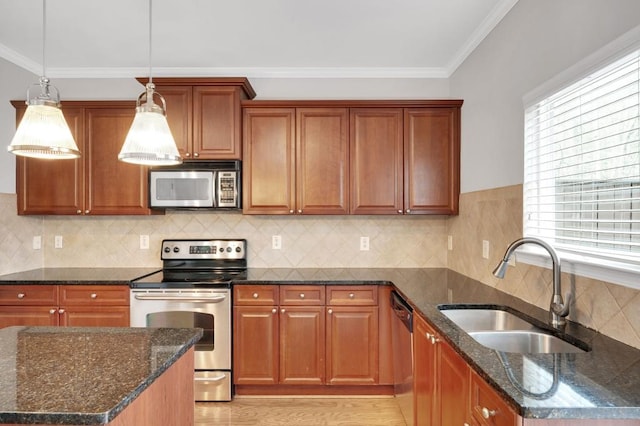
[[402, 339]]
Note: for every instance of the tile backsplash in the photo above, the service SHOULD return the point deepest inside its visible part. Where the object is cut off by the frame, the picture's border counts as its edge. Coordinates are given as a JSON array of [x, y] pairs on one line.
[[327, 241]]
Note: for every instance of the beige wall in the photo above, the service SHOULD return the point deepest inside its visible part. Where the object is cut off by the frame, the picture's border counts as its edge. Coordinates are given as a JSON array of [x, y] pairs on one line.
[[495, 215]]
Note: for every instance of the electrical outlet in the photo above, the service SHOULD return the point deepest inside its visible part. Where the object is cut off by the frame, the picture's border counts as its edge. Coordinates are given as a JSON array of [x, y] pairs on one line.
[[144, 242], [485, 249], [276, 242], [57, 241], [37, 242], [450, 242], [364, 243]]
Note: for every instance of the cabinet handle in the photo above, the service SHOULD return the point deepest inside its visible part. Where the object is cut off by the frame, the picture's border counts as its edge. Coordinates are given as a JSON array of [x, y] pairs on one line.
[[351, 295], [195, 154], [79, 211], [52, 311], [274, 310], [87, 211], [434, 340], [428, 335], [255, 295], [187, 154], [94, 296], [299, 211], [20, 295], [330, 311], [61, 311], [408, 210], [301, 295], [291, 211], [399, 211], [282, 311], [486, 413]]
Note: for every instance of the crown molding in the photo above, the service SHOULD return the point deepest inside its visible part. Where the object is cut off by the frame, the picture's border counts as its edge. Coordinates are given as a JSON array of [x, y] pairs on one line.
[[20, 60]]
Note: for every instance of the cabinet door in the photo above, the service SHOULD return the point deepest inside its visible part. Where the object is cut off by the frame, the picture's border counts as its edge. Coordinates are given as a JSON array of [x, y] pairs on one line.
[[352, 345], [255, 345], [452, 388], [268, 165], [53, 187], [302, 345], [425, 373], [179, 101], [432, 160], [216, 123], [487, 407], [113, 187], [322, 161], [376, 147], [28, 315], [94, 316]]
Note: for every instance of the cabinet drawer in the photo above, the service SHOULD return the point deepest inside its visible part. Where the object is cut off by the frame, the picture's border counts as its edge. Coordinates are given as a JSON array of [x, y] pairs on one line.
[[487, 408], [255, 295], [302, 295], [352, 295], [29, 295], [96, 295]]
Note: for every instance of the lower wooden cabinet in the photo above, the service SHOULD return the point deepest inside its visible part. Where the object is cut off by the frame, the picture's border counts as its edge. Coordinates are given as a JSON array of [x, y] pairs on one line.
[[65, 305], [487, 408], [313, 335]]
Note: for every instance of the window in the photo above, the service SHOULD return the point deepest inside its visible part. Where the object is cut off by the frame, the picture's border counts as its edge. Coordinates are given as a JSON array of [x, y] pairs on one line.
[[582, 165]]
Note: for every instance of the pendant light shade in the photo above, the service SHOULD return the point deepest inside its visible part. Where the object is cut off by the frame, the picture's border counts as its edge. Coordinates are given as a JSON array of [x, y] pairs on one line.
[[43, 131], [149, 141]]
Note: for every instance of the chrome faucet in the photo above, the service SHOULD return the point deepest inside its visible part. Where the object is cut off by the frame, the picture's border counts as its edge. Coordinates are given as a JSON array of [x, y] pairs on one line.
[[558, 309]]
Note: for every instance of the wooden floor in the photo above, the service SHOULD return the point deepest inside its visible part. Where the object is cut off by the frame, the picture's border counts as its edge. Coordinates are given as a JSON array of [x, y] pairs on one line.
[[249, 411]]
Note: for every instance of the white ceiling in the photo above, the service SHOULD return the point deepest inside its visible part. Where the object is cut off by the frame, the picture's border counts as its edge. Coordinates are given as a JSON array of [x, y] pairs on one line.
[[253, 38]]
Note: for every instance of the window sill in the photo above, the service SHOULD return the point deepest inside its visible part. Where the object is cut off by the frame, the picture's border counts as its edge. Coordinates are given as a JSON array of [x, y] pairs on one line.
[[606, 270]]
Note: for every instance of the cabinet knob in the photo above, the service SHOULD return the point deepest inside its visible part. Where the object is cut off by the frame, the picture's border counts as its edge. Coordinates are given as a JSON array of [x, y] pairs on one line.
[[408, 210], [282, 311], [301, 295], [94, 296], [52, 311], [87, 211], [299, 211], [291, 211], [399, 211], [195, 154], [255, 295], [274, 310], [330, 311], [187, 154], [434, 340], [486, 413], [61, 311], [351, 295], [79, 211], [20, 295]]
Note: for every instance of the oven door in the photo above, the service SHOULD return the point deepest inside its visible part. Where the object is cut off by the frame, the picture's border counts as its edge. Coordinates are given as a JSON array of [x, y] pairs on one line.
[[209, 309]]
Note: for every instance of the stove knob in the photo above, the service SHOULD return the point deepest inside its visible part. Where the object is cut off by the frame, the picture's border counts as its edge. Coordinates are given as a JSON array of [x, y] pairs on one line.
[[238, 249], [228, 249], [167, 249], [176, 249]]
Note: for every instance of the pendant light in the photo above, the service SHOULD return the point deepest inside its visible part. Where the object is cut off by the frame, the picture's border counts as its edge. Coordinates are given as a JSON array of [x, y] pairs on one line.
[[149, 141], [43, 131]]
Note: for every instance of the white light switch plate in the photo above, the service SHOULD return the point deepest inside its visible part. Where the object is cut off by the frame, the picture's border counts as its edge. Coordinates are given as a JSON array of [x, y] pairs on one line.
[[57, 242], [144, 242], [485, 249], [276, 242], [364, 243], [37, 242]]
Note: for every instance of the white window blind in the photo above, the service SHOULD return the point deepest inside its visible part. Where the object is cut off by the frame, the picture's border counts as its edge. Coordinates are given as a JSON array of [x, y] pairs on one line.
[[582, 164]]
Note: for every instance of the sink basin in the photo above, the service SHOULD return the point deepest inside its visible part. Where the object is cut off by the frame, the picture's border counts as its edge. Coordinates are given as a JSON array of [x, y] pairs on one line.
[[486, 319], [506, 332], [524, 341]]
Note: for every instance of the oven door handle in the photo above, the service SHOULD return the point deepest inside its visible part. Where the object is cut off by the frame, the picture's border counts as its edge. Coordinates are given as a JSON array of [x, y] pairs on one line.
[[201, 299], [210, 379]]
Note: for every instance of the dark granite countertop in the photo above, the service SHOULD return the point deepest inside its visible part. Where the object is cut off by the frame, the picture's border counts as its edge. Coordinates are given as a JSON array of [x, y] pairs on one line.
[[82, 376], [102, 276], [601, 383]]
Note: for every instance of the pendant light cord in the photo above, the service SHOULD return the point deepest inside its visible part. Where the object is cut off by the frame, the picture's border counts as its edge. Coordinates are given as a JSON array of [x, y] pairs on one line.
[[44, 35], [150, 35]]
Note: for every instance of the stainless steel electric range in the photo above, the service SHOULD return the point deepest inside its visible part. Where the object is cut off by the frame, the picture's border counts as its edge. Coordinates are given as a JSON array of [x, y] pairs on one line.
[[193, 289]]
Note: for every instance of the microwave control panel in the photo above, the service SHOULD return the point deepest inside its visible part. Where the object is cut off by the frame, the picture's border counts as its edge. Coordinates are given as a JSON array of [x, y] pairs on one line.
[[227, 190]]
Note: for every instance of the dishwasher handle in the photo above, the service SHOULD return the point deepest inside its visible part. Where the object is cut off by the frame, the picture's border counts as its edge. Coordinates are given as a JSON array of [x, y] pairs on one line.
[[402, 310]]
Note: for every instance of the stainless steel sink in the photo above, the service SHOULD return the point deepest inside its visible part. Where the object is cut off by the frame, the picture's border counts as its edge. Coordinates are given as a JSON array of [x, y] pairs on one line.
[[486, 319], [523, 341], [506, 332]]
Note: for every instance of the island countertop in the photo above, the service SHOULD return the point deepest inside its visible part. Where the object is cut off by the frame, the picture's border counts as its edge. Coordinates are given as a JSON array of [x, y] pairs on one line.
[[82, 376]]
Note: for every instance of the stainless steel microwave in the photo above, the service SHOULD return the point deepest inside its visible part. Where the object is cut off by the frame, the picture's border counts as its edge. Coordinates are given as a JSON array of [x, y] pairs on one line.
[[196, 184]]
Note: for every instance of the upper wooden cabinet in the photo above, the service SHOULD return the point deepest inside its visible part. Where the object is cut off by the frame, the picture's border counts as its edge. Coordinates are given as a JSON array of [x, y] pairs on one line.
[[296, 161], [351, 157], [96, 183], [204, 115]]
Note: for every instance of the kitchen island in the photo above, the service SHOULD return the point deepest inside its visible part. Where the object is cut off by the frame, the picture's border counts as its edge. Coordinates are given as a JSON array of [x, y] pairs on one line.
[[96, 376]]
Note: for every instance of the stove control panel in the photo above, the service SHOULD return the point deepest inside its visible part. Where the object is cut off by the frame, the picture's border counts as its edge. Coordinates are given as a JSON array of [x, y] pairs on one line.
[[204, 249]]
